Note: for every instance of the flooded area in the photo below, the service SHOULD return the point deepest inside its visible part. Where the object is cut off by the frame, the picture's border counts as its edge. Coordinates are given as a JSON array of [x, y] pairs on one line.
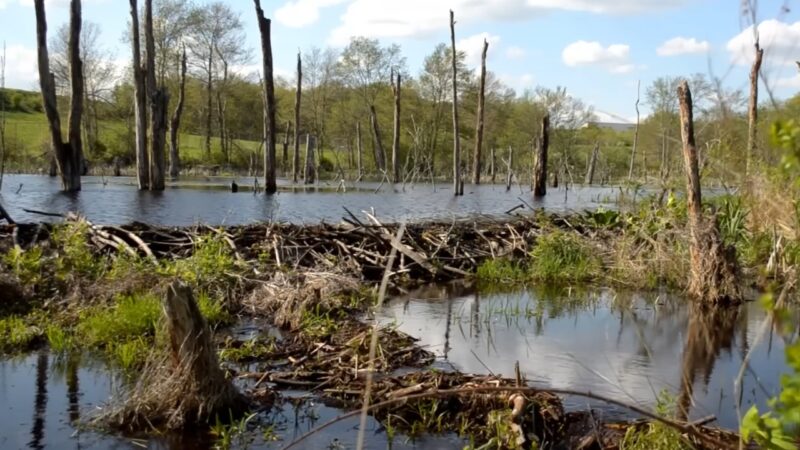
[[116, 200], [626, 346]]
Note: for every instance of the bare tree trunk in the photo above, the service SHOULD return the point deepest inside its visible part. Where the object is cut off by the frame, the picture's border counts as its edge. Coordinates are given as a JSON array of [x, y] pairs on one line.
[[359, 152], [396, 137], [286, 147], [713, 278], [493, 164], [309, 174], [69, 154], [592, 164], [297, 95], [175, 123], [159, 99], [476, 157], [3, 151], [209, 96], [635, 133], [140, 103], [457, 190], [264, 25], [510, 168], [380, 154], [540, 168], [752, 112]]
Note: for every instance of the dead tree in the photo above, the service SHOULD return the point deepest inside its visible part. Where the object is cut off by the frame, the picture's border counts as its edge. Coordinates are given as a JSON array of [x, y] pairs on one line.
[[158, 98], [713, 274], [69, 154], [635, 133], [457, 185], [592, 164], [297, 98], [380, 154], [175, 122], [476, 157], [359, 152], [493, 164], [752, 112], [509, 168], [264, 24], [140, 103], [540, 168], [309, 175], [286, 147], [396, 136]]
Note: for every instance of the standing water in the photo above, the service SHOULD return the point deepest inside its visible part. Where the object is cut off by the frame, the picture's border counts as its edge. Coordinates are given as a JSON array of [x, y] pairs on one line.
[[626, 346]]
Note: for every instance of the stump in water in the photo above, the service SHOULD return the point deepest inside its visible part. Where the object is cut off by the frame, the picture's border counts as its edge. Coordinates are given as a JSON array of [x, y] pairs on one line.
[[186, 387], [713, 277]]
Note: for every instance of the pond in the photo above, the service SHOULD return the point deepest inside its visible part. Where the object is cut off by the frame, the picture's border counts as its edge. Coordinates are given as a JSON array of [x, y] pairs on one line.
[[626, 346], [116, 200]]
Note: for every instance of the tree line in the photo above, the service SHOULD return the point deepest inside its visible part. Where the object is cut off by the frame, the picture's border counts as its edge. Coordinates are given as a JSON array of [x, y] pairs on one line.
[[351, 112]]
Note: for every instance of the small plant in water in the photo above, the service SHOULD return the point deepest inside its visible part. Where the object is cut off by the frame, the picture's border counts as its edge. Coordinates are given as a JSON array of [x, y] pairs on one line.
[[232, 432], [501, 270]]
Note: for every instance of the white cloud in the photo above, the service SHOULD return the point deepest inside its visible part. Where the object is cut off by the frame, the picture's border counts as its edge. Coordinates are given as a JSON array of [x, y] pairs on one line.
[[789, 82], [422, 18], [473, 46], [518, 82], [22, 69], [780, 41], [683, 46], [614, 58], [515, 52], [301, 13]]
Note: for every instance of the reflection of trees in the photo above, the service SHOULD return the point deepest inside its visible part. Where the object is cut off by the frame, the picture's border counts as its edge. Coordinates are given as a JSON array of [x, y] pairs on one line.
[[709, 331], [73, 387], [40, 401]]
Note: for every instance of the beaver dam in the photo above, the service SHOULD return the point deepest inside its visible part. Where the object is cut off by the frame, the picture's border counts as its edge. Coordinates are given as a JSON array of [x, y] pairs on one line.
[[540, 331]]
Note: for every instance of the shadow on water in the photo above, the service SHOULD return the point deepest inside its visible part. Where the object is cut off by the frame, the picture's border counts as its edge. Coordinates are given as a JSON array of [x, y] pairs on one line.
[[625, 345]]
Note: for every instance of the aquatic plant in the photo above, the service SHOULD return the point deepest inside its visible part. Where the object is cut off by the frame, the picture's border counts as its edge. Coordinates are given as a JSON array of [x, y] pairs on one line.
[[561, 256], [59, 339]]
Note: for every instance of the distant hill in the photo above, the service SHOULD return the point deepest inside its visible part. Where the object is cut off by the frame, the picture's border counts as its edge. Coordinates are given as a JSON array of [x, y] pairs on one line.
[[17, 100]]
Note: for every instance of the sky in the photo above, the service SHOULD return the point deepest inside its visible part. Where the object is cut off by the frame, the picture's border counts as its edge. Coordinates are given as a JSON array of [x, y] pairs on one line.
[[598, 49]]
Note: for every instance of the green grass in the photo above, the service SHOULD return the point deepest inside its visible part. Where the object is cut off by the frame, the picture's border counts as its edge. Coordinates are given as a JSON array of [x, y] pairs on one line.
[[25, 264], [656, 435], [213, 310], [16, 334], [501, 270], [559, 256], [131, 317], [59, 339]]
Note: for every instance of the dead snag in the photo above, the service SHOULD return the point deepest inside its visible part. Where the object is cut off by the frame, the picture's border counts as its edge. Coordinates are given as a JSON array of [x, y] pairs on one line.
[[493, 164], [184, 386], [752, 112], [309, 174], [140, 103], [297, 97], [380, 154], [69, 154], [592, 164], [359, 152], [540, 168], [264, 24], [457, 186], [158, 98], [635, 133], [396, 136], [713, 276], [476, 156], [286, 148], [175, 122]]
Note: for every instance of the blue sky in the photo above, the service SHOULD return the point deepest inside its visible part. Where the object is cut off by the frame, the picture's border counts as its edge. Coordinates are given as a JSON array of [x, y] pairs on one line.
[[598, 49]]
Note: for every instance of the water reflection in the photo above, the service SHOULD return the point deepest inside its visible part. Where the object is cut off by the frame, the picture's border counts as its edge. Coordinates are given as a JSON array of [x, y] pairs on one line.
[[40, 401], [624, 345], [116, 200]]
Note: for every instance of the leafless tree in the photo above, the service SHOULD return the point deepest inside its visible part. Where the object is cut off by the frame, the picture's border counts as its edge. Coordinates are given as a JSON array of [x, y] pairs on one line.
[[264, 24]]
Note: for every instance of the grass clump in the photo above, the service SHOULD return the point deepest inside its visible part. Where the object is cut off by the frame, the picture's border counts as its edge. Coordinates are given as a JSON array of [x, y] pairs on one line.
[[132, 316], [25, 264], [501, 270], [559, 256], [656, 435], [59, 339], [213, 310], [211, 263], [16, 334], [74, 257]]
